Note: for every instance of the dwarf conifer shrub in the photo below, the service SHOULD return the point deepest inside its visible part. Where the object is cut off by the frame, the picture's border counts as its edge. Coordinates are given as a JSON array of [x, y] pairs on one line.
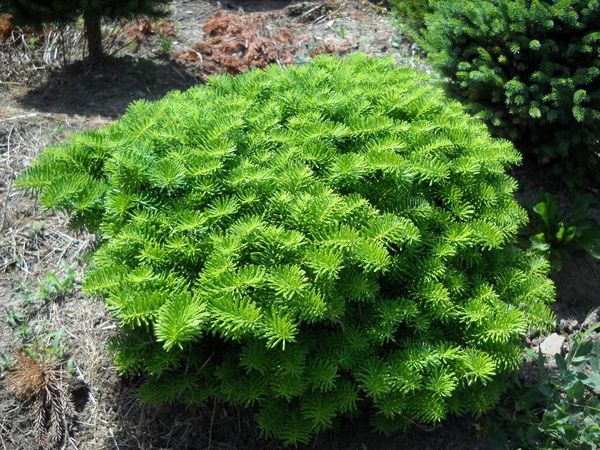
[[413, 12], [532, 68], [308, 241]]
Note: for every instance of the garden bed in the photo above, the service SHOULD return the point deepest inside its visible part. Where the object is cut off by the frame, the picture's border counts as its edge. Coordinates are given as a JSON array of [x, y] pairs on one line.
[[41, 110]]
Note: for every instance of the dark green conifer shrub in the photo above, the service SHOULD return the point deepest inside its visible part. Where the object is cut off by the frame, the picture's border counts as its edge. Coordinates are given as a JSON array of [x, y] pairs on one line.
[[413, 12], [532, 68], [308, 241]]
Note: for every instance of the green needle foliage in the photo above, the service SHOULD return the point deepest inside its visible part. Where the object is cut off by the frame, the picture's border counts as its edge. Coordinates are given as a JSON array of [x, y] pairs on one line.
[[413, 12], [532, 68], [306, 241]]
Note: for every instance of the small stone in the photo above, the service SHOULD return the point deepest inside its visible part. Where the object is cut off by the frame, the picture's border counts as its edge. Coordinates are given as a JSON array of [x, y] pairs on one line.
[[568, 325], [552, 345]]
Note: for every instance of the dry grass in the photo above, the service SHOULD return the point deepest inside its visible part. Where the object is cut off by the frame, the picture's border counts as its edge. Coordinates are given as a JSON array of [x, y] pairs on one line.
[[31, 243], [26, 54]]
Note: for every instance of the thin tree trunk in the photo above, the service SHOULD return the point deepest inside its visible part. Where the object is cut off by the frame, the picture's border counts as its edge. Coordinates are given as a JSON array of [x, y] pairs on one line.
[[93, 32]]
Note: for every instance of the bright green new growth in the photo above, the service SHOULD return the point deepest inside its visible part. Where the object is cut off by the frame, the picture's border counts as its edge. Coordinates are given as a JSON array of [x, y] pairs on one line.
[[309, 241], [531, 68]]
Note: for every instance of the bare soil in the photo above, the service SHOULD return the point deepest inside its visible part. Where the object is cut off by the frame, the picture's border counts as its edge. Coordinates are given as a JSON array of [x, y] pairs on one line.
[[39, 111], [578, 281]]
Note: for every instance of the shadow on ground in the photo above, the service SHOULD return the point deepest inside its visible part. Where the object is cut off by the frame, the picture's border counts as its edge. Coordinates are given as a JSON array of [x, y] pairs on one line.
[[212, 426], [107, 90], [578, 281], [178, 426]]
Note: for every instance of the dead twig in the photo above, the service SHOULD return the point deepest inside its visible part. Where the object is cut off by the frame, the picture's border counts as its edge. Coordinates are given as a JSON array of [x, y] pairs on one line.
[[4, 206], [22, 116]]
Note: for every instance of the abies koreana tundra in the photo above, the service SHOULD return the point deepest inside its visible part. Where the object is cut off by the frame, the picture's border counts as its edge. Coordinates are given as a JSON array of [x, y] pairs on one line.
[[307, 242]]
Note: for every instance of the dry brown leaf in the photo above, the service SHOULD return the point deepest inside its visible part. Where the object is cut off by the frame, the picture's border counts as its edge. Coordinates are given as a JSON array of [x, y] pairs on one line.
[[6, 26], [42, 385]]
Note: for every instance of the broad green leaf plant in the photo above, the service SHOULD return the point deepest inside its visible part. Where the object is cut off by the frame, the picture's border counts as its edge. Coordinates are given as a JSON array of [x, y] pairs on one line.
[[557, 236], [562, 411]]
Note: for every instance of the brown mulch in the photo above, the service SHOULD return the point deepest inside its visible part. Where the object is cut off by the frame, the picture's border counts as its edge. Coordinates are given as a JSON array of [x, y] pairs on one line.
[[6, 27], [236, 42], [145, 27]]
